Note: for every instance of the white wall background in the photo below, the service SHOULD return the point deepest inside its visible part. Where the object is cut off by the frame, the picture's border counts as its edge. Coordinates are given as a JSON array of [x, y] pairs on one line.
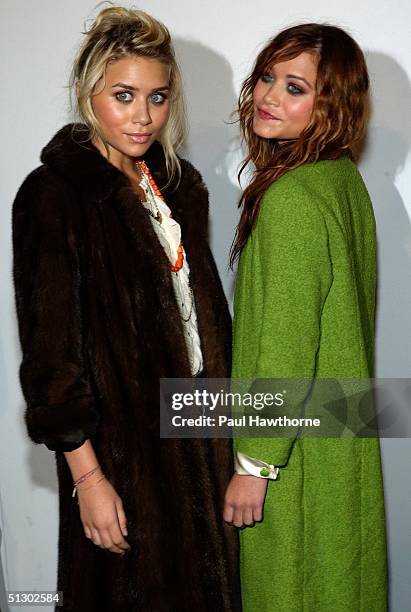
[[216, 43]]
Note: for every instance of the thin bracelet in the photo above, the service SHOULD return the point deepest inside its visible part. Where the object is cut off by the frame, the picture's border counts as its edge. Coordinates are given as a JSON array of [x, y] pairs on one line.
[[90, 487], [86, 475], [83, 478], [86, 488]]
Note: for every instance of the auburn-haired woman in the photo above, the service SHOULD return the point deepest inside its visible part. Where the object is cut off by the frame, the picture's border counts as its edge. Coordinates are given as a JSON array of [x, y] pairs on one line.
[[304, 309], [116, 288]]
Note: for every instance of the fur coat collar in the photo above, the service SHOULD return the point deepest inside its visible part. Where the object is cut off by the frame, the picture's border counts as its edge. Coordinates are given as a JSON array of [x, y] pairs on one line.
[[72, 156]]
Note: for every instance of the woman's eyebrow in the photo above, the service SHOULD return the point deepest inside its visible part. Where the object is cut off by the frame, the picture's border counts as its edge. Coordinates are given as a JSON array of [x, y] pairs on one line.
[[299, 78], [132, 88]]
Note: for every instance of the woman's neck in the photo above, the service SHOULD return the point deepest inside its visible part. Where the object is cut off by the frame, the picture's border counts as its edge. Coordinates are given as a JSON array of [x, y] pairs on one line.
[[119, 160]]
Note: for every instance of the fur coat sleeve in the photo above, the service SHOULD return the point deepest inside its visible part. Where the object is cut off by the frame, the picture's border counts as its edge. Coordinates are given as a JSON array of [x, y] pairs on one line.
[[60, 407]]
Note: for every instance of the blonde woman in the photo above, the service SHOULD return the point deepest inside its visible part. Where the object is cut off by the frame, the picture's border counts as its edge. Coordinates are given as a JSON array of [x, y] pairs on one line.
[[116, 288]]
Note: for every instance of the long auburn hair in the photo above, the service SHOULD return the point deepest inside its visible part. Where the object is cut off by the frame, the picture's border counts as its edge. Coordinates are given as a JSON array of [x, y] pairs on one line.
[[337, 123]]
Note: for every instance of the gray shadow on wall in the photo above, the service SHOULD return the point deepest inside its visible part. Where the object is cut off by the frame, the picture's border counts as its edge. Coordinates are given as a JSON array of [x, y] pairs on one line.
[[4, 606], [4, 392], [3, 600], [43, 470], [213, 143], [388, 144]]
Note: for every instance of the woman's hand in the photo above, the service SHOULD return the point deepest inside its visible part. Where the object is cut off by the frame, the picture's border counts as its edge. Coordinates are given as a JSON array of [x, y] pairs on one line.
[[244, 500], [102, 514]]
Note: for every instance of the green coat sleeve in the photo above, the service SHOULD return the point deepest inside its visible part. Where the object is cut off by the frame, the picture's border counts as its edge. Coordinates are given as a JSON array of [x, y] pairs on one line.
[[293, 260]]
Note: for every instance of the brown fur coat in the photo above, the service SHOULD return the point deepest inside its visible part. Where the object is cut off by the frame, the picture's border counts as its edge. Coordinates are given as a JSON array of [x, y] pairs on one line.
[[99, 326]]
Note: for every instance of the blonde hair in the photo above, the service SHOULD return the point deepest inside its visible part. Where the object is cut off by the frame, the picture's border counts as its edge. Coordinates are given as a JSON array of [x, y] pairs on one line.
[[116, 33]]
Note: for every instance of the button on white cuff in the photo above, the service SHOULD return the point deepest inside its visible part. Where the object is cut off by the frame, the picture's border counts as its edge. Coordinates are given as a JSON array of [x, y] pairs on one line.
[[248, 466]]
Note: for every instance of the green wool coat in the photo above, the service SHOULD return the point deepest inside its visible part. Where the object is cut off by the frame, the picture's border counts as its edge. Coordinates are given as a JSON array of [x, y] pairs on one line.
[[304, 308]]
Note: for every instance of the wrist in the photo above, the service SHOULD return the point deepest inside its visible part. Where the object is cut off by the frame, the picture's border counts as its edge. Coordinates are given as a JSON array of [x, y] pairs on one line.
[[81, 460]]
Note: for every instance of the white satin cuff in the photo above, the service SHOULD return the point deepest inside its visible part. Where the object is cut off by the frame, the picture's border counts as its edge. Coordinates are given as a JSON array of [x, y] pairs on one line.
[[248, 466]]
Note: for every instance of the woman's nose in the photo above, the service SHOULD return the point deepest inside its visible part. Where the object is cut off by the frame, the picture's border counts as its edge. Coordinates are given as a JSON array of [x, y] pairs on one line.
[[141, 112], [272, 95]]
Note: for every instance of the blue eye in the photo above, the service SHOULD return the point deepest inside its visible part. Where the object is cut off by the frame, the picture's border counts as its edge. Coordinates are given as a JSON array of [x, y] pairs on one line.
[[124, 96], [294, 90], [158, 98], [267, 78]]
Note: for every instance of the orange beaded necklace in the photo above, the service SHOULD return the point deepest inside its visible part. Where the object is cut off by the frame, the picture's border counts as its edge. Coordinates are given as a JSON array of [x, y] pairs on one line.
[[142, 166]]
